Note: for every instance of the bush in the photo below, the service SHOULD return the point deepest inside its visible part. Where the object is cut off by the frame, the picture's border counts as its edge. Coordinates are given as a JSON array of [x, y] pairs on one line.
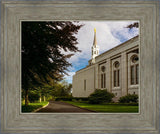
[[129, 98], [100, 96]]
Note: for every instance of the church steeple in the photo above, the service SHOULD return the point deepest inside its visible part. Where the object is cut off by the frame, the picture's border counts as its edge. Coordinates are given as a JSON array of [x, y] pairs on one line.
[[95, 48], [95, 39]]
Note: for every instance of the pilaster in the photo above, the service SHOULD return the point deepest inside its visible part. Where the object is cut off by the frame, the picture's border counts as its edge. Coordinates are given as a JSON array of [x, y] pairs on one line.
[[108, 75], [96, 76], [124, 79]]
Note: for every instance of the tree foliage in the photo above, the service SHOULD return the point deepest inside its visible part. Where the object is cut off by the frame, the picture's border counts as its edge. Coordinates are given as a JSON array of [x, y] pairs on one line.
[[62, 89], [42, 45], [135, 24]]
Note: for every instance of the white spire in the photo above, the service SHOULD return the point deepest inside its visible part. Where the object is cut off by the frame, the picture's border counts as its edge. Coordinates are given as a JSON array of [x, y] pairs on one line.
[[95, 40], [95, 48]]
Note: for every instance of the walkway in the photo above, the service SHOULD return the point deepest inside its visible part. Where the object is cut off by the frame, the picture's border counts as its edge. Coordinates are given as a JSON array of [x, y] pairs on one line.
[[62, 107]]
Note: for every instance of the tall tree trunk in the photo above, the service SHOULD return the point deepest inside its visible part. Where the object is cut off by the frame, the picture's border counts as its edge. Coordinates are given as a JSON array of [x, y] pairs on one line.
[[40, 99], [44, 98], [26, 97]]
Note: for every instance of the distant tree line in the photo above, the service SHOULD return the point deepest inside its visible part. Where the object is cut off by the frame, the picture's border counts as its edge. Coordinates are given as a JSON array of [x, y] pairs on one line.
[[48, 92]]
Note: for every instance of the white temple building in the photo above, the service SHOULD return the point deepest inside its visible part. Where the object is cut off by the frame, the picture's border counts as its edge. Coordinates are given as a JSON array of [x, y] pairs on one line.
[[116, 70]]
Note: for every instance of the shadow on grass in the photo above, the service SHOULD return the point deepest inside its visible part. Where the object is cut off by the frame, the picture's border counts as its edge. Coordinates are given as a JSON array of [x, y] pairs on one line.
[[110, 108], [32, 107]]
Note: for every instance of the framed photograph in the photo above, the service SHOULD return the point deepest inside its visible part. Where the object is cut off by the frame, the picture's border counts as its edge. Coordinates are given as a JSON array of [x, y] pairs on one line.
[[105, 81], [113, 83]]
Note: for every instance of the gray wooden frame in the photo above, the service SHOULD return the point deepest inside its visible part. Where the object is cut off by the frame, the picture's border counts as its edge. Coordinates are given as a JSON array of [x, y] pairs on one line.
[[13, 12]]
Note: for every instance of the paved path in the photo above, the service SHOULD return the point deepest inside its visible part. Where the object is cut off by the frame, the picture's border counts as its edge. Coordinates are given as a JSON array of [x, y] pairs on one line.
[[62, 107]]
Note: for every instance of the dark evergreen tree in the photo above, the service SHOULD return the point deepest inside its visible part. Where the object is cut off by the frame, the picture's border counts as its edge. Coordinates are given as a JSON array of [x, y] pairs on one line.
[[135, 24], [42, 58]]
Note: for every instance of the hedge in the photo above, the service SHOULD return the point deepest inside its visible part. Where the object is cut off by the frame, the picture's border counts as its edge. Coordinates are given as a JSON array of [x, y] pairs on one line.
[[71, 98]]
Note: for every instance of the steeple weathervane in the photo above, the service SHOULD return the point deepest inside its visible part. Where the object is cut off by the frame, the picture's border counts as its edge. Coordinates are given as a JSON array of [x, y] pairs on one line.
[[95, 48]]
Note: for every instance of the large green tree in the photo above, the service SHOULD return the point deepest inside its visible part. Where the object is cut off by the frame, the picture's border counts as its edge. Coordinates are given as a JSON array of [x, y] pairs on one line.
[[42, 57]]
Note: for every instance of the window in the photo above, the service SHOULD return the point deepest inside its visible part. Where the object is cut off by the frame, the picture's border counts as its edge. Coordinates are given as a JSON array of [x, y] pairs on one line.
[[103, 68], [101, 80], [135, 59], [104, 80], [137, 74], [115, 78], [116, 64], [103, 77], [116, 74], [118, 78], [132, 75], [134, 70], [84, 85]]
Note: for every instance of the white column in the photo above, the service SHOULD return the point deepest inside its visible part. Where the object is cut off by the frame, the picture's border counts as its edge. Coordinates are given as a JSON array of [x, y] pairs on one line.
[[124, 79]]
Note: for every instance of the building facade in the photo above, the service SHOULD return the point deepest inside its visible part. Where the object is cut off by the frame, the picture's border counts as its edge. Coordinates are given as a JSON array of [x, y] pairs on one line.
[[116, 70]]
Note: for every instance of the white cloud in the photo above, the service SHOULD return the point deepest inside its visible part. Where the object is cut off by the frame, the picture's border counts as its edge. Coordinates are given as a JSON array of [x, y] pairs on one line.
[[109, 34], [120, 29]]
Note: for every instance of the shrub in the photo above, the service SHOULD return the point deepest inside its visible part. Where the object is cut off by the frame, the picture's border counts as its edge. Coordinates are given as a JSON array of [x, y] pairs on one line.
[[71, 98], [100, 96], [129, 98]]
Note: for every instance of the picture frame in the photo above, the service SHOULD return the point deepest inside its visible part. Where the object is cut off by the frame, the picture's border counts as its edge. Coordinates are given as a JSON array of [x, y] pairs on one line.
[[13, 12]]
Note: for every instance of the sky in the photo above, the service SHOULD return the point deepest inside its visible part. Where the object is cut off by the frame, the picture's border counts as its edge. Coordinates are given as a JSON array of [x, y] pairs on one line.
[[109, 34]]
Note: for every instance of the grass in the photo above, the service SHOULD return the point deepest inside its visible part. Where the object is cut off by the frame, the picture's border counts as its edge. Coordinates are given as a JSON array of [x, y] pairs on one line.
[[108, 108], [33, 106]]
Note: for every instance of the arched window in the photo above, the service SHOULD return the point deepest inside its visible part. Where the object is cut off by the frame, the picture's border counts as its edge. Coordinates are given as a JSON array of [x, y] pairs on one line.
[[103, 77], [116, 73], [134, 70]]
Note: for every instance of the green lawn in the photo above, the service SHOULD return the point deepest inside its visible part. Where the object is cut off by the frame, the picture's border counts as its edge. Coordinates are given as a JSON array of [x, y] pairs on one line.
[[109, 108], [33, 106]]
